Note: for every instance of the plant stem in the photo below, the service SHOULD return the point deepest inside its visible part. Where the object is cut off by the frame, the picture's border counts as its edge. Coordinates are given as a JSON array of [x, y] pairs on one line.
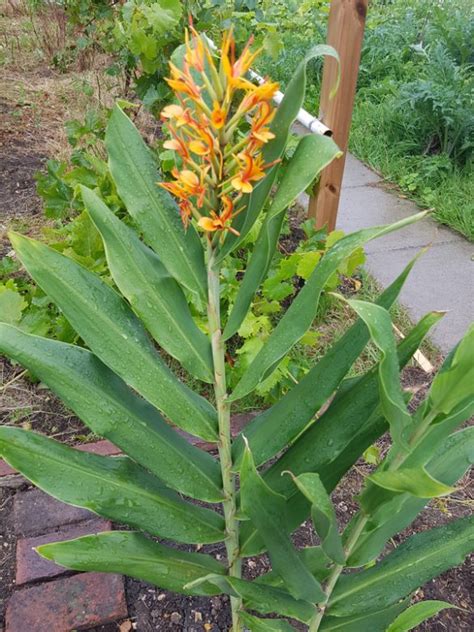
[[336, 572], [362, 521], [225, 439]]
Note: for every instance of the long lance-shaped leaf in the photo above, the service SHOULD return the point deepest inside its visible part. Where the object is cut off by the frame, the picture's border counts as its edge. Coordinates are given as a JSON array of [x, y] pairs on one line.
[[266, 510], [285, 116], [416, 614], [332, 445], [302, 311], [324, 441], [436, 427], [379, 323], [261, 598], [112, 331], [254, 624], [454, 382], [154, 210], [449, 464], [437, 432], [130, 553], [273, 429], [363, 622], [416, 561], [112, 410], [322, 514], [113, 487], [153, 294], [315, 560], [415, 481], [311, 156]]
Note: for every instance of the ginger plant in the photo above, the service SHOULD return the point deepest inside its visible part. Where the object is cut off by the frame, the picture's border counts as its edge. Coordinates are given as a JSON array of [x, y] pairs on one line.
[[280, 470]]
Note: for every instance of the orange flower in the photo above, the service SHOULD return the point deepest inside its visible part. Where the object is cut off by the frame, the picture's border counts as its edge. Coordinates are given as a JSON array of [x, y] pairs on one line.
[[234, 70], [259, 132], [242, 65], [199, 148], [186, 212], [219, 222], [183, 82], [177, 113], [263, 92], [203, 143], [250, 170], [218, 115], [175, 189], [187, 184], [194, 55], [178, 145]]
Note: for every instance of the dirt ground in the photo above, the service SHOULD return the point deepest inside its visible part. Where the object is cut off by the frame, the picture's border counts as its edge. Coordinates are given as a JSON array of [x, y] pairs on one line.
[[34, 104]]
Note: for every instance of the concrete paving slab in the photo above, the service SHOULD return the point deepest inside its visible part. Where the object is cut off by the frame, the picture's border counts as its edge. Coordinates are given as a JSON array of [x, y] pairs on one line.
[[443, 278], [356, 174], [366, 206]]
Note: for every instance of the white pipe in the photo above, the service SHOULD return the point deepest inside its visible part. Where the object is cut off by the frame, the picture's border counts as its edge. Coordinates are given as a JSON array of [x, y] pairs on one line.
[[312, 123]]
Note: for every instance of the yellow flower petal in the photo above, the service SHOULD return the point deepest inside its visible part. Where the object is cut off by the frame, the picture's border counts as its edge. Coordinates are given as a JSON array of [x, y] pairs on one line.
[[206, 223]]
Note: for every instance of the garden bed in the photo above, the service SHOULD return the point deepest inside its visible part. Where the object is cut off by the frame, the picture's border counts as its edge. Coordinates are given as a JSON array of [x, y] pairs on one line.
[[26, 141]]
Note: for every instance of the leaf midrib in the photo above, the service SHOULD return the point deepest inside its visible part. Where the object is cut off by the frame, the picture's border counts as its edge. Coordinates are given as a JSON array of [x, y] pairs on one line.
[[174, 322], [155, 363], [163, 439], [383, 576], [171, 229], [182, 507]]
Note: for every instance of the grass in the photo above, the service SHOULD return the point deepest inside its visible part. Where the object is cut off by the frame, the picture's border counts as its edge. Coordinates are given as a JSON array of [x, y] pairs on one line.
[[446, 188]]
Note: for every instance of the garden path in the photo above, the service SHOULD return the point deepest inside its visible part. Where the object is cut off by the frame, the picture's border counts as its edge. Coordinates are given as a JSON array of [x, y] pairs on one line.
[[443, 278]]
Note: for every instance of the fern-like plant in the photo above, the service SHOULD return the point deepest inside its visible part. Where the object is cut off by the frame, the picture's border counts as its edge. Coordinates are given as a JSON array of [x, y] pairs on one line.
[[283, 467]]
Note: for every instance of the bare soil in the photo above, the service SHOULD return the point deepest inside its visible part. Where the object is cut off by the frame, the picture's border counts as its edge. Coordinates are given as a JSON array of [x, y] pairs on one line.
[[28, 132]]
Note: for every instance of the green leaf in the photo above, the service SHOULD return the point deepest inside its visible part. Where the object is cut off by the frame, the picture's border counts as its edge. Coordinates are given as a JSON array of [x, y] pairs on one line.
[[306, 264], [322, 514], [416, 614], [113, 487], [420, 558], [115, 335], [450, 462], [265, 599], [154, 210], [12, 305], [275, 428], [130, 553], [312, 155], [302, 311], [363, 622], [112, 410], [333, 444], [454, 381], [266, 510], [379, 324], [153, 294], [414, 481], [254, 624], [284, 118], [315, 560]]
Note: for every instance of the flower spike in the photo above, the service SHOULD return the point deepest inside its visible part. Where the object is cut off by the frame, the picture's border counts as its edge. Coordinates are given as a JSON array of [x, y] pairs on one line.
[[219, 151]]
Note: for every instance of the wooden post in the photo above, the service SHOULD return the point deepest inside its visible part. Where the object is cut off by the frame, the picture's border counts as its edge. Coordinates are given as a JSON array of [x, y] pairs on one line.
[[345, 34]]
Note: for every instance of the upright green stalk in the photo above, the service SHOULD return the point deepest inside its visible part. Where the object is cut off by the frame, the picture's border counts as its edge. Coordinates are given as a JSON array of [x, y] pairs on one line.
[[362, 520], [335, 574], [225, 439]]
